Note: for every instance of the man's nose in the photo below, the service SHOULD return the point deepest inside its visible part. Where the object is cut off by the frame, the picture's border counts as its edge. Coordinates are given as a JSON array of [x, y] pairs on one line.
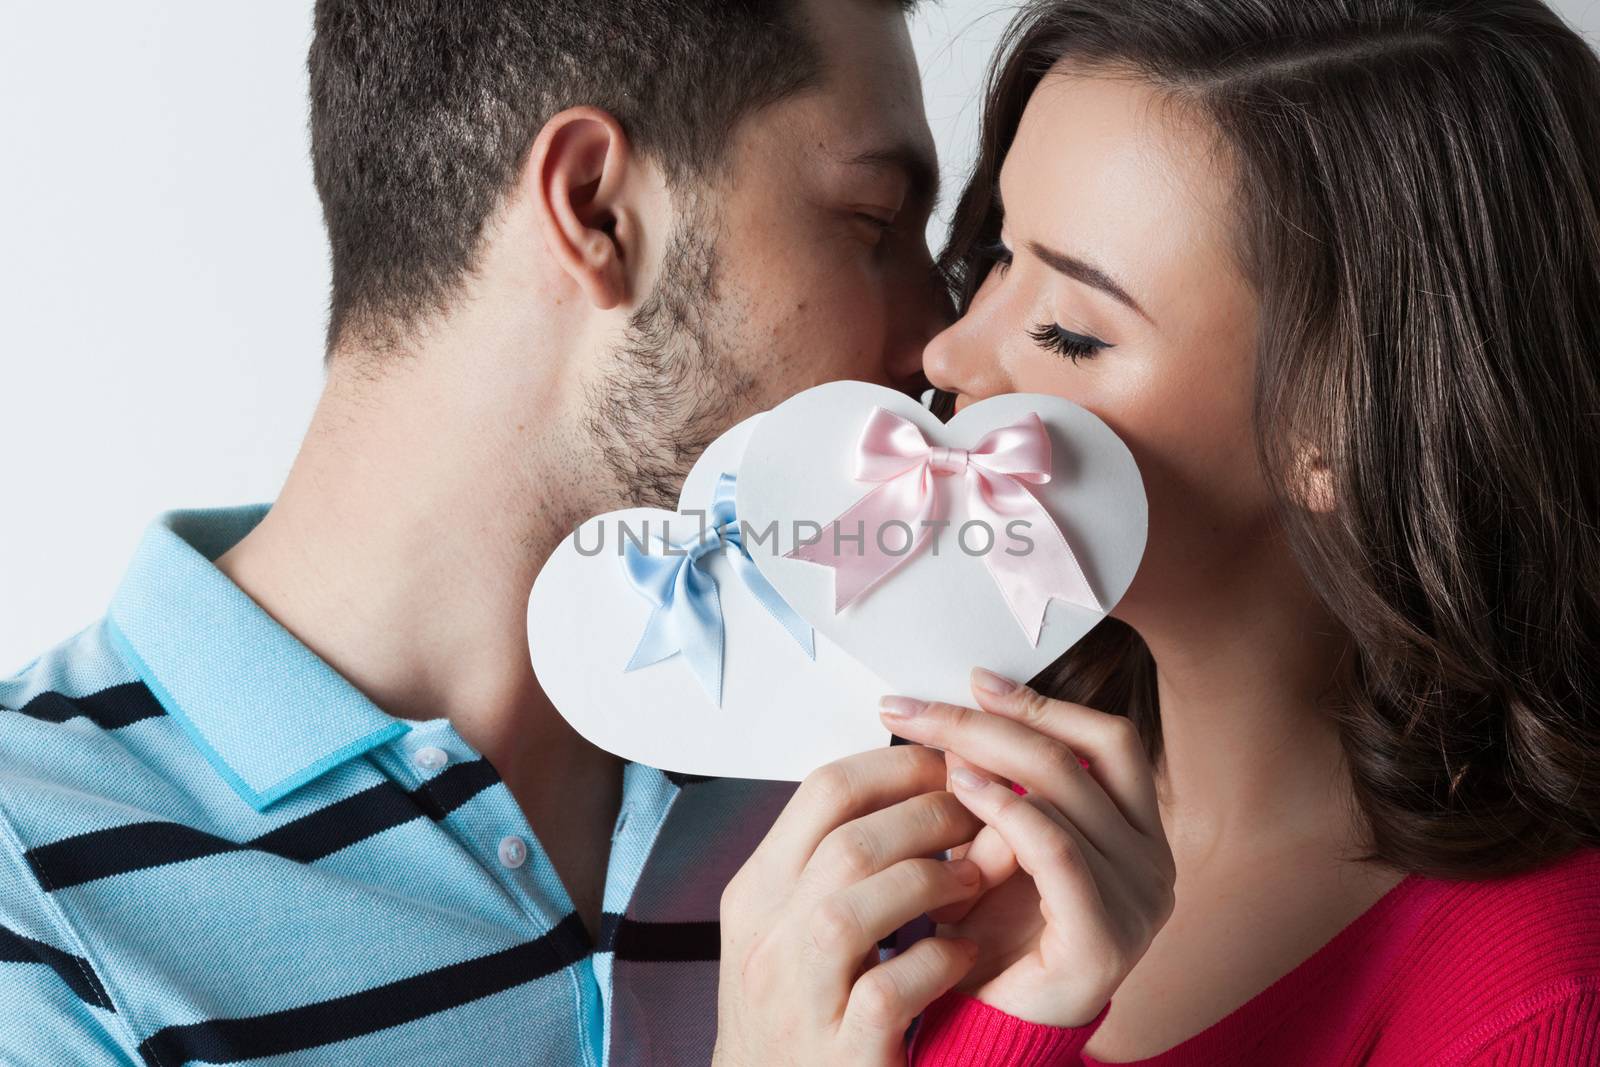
[[925, 309]]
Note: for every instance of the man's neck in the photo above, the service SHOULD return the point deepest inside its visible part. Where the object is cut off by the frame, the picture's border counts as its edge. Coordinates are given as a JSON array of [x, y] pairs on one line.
[[404, 544]]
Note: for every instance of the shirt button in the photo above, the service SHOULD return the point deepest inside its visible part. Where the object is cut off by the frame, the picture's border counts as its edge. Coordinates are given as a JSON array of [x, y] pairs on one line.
[[513, 851], [430, 758]]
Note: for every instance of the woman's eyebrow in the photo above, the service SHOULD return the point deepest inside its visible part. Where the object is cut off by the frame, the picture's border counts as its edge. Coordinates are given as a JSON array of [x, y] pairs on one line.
[[1073, 267], [1088, 274]]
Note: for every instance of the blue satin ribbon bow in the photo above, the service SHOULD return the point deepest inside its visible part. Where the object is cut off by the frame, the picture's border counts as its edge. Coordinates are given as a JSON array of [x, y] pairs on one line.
[[688, 611]]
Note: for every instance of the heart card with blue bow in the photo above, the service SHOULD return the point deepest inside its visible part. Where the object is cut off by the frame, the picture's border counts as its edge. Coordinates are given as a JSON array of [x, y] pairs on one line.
[[658, 638]]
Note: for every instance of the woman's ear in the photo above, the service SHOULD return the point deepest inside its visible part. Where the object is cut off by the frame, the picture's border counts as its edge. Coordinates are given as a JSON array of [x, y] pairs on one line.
[[1311, 484], [577, 173]]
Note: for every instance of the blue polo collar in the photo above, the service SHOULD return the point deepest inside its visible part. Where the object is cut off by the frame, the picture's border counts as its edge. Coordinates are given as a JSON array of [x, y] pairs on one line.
[[264, 709]]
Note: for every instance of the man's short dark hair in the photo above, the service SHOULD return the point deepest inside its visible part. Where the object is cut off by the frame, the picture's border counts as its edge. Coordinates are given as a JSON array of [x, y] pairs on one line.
[[422, 112]]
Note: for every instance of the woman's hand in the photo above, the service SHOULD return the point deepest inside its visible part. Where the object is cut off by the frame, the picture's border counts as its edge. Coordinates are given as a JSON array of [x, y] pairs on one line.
[[1096, 879], [846, 863]]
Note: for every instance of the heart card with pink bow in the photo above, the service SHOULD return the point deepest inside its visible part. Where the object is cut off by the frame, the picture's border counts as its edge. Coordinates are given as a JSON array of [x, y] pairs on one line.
[[924, 548]]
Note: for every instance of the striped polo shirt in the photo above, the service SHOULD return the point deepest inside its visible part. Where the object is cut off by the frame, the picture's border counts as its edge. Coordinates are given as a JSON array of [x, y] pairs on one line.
[[214, 849]]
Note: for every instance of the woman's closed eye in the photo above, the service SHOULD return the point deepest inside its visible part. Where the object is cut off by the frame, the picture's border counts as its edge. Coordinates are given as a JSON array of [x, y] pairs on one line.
[[1074, 346], [1049, 335]]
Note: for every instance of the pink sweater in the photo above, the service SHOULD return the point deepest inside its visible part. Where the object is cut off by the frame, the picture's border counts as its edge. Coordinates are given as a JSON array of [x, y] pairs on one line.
[[1503, 972]]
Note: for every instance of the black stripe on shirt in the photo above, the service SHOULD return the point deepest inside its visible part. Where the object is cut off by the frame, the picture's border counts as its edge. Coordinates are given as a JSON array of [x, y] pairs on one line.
[[680, 779], [109, 709], [74, 970], [356, 1014], [139, 846], [659, 942], [453, 787]]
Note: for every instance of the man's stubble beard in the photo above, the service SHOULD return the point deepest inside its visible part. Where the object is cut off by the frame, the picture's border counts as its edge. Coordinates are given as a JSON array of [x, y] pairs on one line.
[[675, 383]]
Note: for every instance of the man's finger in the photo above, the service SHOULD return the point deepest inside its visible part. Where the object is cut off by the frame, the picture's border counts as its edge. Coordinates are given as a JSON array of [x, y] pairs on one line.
[[847, 925], [886, 998], [841, 791], [922, 825]]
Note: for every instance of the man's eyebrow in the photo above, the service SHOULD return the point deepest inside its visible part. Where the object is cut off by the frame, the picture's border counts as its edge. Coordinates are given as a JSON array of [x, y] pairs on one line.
[[921, 172], [1087, 273]]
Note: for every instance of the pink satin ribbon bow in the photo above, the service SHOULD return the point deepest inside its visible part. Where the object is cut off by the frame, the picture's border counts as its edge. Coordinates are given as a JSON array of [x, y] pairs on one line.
[[893, 453]]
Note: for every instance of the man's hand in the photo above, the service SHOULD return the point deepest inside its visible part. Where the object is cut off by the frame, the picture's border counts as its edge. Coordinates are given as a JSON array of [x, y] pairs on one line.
[[846, 863]]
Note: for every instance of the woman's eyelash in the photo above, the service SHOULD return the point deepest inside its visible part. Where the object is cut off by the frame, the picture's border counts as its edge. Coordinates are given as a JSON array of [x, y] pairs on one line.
[[1074, 346]]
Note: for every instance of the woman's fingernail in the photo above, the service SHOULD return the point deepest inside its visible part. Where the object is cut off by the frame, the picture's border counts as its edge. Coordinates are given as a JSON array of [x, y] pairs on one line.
[[901, 707], [965, 870], [966, 779], [991, 683]]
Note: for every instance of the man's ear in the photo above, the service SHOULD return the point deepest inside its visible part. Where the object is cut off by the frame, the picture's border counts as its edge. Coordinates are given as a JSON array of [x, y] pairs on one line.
[[578, 168]]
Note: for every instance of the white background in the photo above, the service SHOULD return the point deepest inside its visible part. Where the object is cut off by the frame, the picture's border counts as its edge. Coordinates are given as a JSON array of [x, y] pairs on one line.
[[163, 281]]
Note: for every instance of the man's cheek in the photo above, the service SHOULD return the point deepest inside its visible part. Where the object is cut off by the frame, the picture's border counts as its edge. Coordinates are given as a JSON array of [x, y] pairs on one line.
[[845, 341]]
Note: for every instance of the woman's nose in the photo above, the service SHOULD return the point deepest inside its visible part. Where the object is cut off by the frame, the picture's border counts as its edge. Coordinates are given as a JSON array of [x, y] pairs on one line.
[[958, 361]]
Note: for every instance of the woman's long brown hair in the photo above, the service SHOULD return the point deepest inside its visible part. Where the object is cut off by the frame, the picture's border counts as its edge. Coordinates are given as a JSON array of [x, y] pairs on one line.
[[1419, 212]]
